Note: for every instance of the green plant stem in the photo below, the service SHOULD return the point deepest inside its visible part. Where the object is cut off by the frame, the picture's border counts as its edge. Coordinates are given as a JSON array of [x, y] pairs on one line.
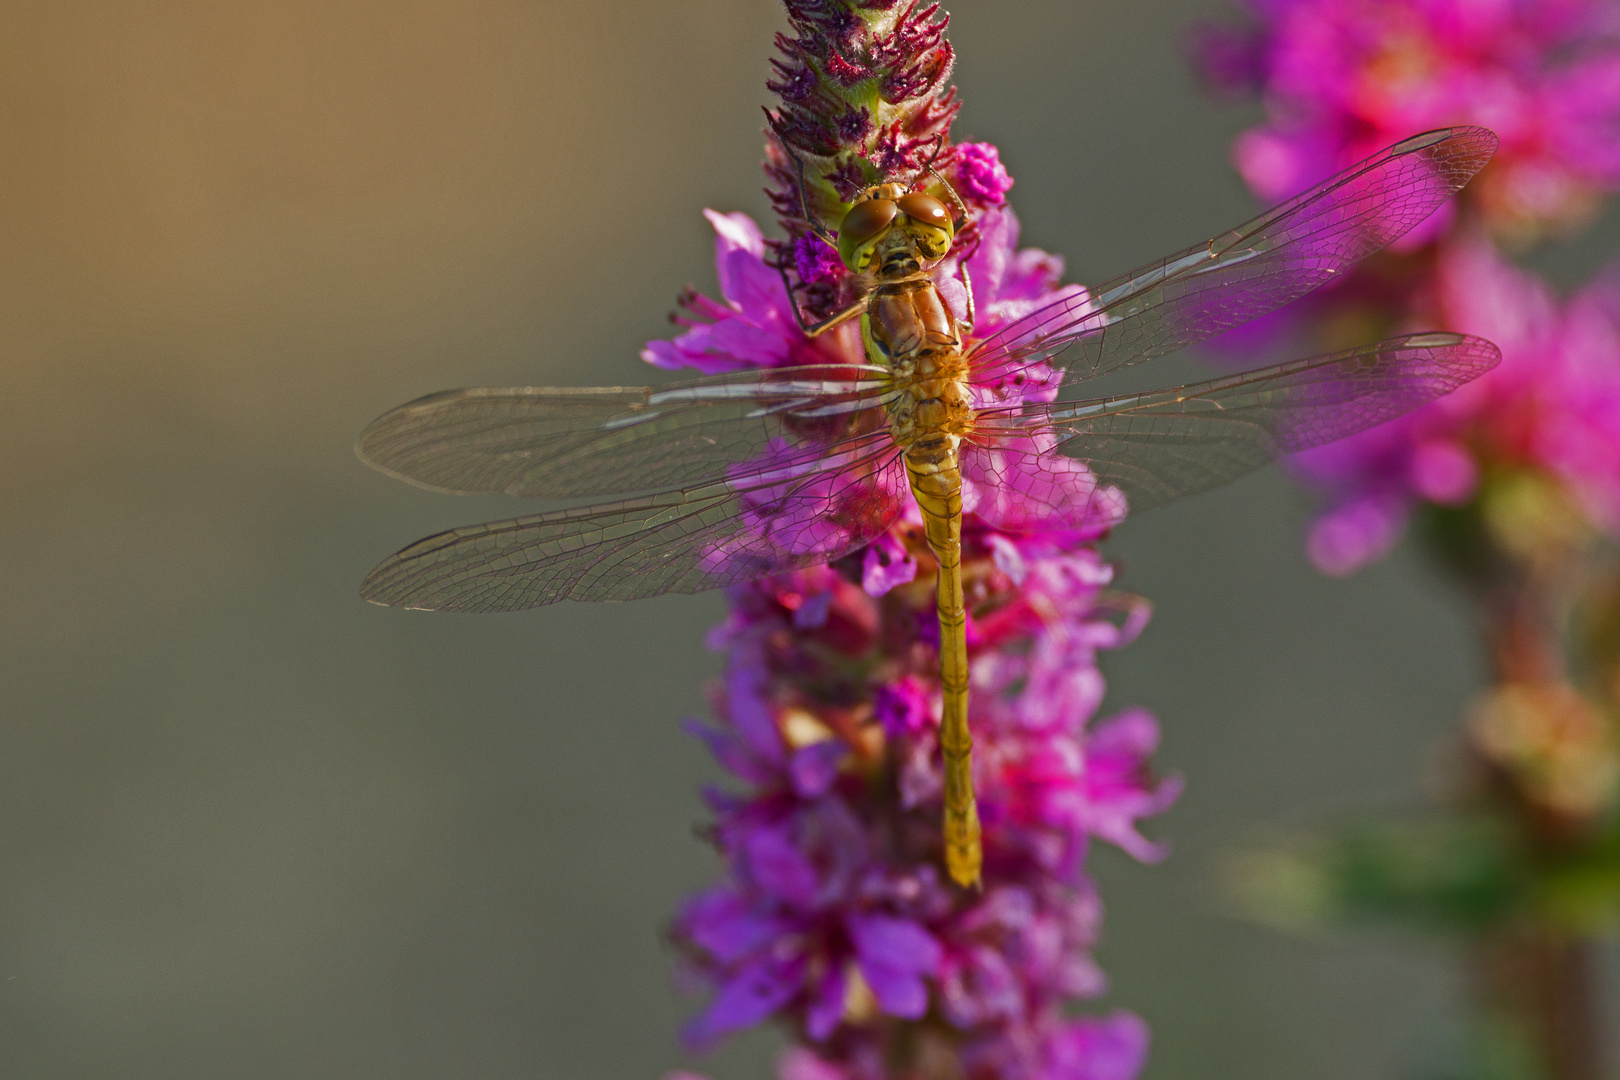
[[1532, 978]]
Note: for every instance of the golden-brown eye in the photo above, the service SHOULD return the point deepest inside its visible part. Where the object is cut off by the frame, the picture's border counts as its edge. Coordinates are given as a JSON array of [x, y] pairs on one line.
[[920, 206], [865, 222], [866, 219]]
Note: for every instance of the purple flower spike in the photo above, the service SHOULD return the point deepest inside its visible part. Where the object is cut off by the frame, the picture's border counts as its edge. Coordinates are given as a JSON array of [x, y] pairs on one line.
[[834, 916]]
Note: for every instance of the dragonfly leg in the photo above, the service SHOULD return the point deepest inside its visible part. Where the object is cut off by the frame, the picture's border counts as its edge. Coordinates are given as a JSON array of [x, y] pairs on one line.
[[967, 284], [956, 200], [811, 330], [961, 220], [804, 203]]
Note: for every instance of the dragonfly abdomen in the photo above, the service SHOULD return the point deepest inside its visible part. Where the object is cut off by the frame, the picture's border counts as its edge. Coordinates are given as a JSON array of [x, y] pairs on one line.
[[936, 483]]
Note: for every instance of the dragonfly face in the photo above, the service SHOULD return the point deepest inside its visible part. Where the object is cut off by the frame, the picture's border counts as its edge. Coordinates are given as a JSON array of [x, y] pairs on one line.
[[895, 231]]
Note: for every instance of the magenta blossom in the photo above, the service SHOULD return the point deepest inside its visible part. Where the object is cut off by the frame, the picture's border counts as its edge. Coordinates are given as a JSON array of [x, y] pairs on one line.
[[1553, 406], [1341, 78], [754, 327], [984, 180]]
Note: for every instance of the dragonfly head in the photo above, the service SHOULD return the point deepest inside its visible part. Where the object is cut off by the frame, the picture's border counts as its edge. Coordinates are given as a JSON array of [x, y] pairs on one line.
[[889, 226]]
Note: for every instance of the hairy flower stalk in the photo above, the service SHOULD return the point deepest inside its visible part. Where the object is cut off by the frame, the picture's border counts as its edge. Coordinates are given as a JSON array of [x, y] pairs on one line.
[[834, 916], [1515, 479]]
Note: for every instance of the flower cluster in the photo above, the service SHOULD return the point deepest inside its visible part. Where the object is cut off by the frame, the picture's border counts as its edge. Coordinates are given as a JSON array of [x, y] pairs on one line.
[[1342, 78], [834, 915]]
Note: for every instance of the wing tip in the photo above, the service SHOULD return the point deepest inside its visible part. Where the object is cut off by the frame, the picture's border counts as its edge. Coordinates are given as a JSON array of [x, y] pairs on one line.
[[1485, 356], [371, 446], [401, 581], [1462, 358], [379, 590], [1459, 136], [1478, 355], [1462, 151]]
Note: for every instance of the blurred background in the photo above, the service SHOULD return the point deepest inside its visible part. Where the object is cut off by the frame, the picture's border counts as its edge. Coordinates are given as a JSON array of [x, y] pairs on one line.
[[253, 827]]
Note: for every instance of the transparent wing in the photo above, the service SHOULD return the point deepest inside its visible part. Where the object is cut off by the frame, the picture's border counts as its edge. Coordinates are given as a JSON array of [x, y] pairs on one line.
[[1256, 268], [787, 518], [563, 443], [1159, 446]]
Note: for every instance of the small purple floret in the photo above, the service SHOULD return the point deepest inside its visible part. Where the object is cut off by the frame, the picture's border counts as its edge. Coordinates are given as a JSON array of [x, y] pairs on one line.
[[983, 178]]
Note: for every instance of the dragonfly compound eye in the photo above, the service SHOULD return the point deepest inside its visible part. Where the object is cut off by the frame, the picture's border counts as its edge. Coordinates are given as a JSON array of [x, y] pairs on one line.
[[920, 206], [860, 230], [928, 223]]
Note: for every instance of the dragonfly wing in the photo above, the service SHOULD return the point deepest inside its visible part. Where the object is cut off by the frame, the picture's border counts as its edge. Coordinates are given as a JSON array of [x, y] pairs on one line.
[[1257, 267], [1014, 480], [685, 542], [1159, 446], [563, 443]]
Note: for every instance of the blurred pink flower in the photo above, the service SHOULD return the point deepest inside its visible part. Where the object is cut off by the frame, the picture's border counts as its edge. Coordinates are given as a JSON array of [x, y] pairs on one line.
[[1552, 405]]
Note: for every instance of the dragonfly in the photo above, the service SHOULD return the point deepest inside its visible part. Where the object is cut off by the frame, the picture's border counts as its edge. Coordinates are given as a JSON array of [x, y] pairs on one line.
[[725, 479]]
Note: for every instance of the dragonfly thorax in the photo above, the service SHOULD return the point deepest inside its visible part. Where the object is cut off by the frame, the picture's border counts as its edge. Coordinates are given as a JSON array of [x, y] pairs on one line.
[[908, 328]]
